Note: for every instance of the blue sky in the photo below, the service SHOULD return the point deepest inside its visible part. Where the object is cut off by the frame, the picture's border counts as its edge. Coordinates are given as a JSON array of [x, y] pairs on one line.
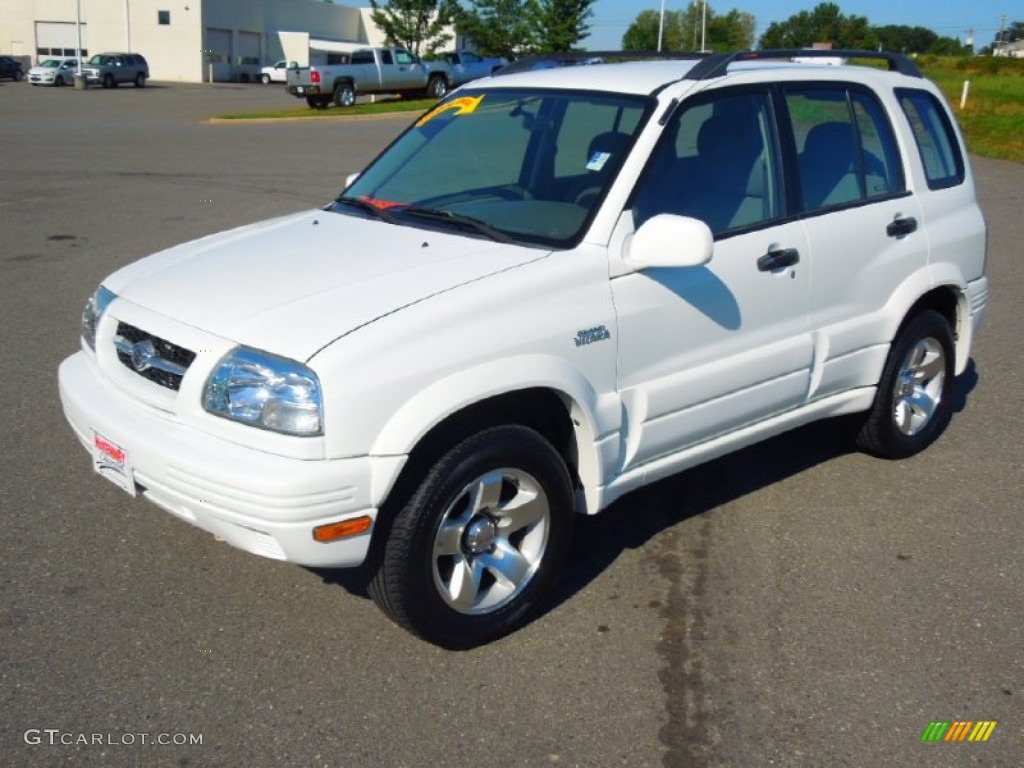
[[945, 17]]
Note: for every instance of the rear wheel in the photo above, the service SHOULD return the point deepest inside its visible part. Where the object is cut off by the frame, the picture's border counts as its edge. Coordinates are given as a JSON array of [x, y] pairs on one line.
[[344, 94], [479, 543], [140, 80], [912, 406]]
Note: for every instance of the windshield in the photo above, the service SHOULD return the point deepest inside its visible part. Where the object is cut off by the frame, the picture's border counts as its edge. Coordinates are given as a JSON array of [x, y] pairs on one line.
[[532, 165], [51, 63]]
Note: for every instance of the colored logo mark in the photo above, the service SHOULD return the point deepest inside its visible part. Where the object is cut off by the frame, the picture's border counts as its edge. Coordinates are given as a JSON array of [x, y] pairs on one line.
[[959, 730]]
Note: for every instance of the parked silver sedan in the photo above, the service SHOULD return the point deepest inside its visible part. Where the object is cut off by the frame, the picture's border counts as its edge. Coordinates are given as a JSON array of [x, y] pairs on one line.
[[56, 70]]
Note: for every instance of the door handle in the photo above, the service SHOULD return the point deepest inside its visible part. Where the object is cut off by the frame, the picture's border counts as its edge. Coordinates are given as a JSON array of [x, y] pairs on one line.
[[901, 227], [778, 259]]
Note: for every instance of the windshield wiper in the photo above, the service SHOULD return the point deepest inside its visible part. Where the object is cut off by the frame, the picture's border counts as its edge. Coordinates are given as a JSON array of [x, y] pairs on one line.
[[458, 218], [366, 205]]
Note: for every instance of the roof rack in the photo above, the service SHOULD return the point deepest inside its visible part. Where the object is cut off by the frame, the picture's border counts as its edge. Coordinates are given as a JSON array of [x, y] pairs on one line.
[[580, 58], [717, 64]]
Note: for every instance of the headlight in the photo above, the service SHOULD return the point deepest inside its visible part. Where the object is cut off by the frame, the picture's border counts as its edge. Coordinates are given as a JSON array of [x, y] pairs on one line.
[[94, 309], [265, 391]]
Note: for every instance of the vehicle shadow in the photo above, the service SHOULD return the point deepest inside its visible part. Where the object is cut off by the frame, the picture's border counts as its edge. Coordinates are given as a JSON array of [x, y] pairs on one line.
[[633, 520]]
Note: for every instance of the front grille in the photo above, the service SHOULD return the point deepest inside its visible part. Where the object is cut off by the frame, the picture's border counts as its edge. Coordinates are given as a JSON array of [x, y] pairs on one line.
[[151, 357]]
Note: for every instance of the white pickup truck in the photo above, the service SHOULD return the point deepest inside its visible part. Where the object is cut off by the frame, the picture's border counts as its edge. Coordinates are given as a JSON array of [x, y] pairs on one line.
[[554, 288], [369, 70]]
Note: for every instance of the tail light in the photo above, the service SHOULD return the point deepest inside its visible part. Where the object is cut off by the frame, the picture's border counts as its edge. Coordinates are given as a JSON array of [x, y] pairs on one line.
[[314, 76]]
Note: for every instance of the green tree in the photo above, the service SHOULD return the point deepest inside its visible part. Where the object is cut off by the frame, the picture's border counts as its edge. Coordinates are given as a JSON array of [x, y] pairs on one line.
[[826, 23], [731, 31], [558, 25], [949, 46], [497, 27], [904, 39], [418, 25]]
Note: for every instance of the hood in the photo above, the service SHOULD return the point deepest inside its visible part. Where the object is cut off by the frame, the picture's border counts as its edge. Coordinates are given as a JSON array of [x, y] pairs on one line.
[[292, 285]]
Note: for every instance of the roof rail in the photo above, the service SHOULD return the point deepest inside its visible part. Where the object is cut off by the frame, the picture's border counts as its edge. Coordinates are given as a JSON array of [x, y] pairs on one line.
[[717, 64], [578, 58]]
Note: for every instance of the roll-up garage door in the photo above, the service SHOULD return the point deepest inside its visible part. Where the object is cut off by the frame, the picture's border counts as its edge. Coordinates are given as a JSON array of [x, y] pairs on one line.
[[218, 54], [59, 38]]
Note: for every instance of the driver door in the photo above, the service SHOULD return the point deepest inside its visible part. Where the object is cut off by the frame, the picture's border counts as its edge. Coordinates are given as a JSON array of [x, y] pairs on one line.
[[707, 350]]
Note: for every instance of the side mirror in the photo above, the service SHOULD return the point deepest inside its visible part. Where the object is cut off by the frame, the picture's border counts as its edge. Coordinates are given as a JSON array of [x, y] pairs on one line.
[[667, 240]]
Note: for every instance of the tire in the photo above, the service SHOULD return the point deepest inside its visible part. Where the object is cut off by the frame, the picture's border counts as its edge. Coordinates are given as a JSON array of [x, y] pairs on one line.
[[317, 102], [140, 80], [478, 544], [437, 87], [344, 95], [18, 75], [265, 78], [912, 406], [108, 81]]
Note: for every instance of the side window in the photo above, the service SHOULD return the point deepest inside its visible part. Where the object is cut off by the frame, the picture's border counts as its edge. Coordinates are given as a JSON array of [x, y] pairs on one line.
[[845, 147], [936, 140], [716, 161], [404, 57], [883, 172], [386, 58], [362, 57]]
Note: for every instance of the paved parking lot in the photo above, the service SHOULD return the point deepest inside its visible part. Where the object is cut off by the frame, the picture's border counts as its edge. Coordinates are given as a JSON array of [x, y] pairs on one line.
[[794, 605]]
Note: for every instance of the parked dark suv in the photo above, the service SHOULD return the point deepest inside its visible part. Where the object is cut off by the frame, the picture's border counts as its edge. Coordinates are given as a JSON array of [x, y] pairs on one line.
[[112, 69], [10, 69]]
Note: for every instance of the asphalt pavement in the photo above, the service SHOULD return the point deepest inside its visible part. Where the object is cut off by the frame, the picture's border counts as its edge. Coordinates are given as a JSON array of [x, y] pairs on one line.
[[796, 604]]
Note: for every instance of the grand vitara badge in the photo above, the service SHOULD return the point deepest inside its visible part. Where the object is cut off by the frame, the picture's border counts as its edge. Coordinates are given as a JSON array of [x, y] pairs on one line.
[[590, 335]]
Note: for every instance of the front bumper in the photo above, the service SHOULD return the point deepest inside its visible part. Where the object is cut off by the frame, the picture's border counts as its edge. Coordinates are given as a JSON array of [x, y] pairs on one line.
[[259, 502]]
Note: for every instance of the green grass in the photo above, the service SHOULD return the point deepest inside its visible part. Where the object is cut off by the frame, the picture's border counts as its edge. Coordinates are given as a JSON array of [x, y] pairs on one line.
[[379, 107], [993, 119]]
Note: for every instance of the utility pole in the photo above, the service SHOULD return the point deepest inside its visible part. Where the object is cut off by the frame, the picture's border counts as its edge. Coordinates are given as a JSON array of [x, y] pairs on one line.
[[661, 26], [704, 26], [999, 39]]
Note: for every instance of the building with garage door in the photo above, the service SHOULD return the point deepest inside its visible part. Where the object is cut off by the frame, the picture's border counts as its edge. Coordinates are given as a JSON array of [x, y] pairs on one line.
[[186, 40]]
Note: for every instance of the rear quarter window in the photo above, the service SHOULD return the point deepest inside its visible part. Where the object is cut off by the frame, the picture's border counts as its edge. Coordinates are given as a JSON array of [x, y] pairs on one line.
[[935, 137]]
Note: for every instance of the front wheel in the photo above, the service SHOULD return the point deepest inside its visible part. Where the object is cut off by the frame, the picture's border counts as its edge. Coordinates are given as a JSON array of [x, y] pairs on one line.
[[344, 94], [265, 78], [108, 81], [479, 543], [437, 87], [912, 406]]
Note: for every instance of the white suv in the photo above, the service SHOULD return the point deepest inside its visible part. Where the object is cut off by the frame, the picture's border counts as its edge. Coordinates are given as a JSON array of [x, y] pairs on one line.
[[555, 287]]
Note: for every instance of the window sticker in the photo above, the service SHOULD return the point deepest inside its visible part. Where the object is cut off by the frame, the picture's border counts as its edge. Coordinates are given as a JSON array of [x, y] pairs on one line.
[[597, 161], [465, 105]]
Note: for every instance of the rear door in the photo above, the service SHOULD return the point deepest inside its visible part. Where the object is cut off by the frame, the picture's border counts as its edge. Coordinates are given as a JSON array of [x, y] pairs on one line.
[[862, 222]]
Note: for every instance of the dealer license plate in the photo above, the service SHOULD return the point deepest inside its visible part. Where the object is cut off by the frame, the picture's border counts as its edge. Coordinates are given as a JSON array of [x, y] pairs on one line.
[[111, 461]]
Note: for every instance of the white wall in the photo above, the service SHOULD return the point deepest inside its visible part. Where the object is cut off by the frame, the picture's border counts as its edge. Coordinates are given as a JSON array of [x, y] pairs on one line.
[[179, 50]]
